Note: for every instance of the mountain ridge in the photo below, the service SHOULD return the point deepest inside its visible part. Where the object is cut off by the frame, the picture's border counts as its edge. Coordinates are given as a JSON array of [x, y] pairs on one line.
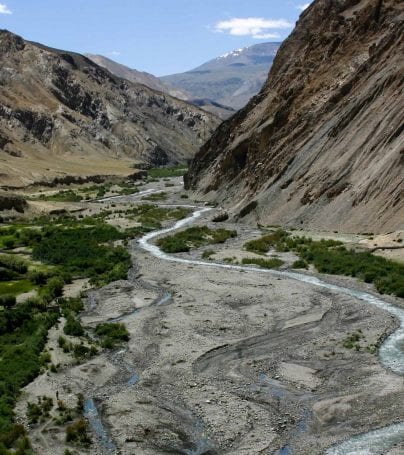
[[230, 79], [321, 146], [61, 114]]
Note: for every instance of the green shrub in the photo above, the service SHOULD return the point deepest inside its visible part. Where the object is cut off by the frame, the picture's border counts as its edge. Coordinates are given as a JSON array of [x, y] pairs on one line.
[[194, 237], [111, 334], [7, 301], [271, 263], [77, 433], [14, 263], [176, 171], [73, 326], [300, 264], [207, 254]]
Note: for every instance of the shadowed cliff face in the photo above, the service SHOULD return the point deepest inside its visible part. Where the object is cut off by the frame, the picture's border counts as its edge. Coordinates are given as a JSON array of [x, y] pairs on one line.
[[322, 144], [62, 114]]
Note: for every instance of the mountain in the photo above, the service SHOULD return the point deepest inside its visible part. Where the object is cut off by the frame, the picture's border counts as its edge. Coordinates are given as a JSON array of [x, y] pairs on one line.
[[231, 79], [62, 115], [321, 146], [156, 84], [136, 76]]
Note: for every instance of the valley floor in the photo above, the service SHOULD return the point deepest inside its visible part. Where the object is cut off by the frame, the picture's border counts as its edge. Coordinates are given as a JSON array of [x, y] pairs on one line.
[[224, 361]]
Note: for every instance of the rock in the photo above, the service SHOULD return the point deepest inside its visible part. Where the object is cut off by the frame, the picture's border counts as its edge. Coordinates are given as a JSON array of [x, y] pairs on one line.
[[222, 216], [311, 147]]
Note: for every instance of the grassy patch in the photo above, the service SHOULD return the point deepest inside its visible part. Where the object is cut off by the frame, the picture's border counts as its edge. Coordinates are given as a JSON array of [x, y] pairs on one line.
[[194, 237], [61, 196], [330, 256], [162, 172], [15, 287], [271, 263]]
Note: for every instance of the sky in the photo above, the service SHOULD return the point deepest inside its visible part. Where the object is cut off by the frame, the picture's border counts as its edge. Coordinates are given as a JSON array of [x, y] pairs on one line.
[[158, 36]]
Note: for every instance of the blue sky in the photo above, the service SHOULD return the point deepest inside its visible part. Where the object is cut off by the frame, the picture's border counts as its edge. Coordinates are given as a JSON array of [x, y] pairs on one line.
[[158, 36]]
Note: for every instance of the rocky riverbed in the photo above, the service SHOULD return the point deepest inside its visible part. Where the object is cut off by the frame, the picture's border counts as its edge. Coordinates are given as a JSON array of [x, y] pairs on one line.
[[227, 361]]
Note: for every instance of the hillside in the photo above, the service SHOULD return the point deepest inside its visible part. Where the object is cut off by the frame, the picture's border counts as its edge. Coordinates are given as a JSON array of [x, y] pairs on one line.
[[133, 75], [62, 115], [156, 84], [231, 79], [321, 146]]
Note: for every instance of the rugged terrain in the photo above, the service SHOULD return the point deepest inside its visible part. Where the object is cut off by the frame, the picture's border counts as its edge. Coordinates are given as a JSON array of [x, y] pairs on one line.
[[62, 115], [156, 84], [133, 75], [222, 361], [322, 144], [231, 79]]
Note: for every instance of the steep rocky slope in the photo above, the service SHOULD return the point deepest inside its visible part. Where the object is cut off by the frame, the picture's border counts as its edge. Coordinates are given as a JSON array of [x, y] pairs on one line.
[[322, 144], [63, 115], [231, 79], [155, 83]]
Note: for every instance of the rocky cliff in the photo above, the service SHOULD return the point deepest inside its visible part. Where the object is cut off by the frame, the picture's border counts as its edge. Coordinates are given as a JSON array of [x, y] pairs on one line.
[[321, 146], [61, 115]]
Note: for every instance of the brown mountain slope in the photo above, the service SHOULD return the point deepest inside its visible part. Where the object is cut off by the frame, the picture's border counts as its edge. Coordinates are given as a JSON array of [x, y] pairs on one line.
[[322, 144], [155, 83], [139, 77], [61, 115]]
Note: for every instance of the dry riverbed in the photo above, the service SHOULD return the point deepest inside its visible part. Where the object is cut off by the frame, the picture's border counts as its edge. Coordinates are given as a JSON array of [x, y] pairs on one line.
[[224, 361]]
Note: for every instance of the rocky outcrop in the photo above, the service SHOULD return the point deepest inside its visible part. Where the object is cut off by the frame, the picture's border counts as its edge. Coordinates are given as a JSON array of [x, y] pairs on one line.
[[61, 114], [322, 144]]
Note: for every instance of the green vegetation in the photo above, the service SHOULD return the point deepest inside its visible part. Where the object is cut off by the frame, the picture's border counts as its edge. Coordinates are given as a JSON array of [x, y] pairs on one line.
[[194, 237], [61, 196], [78, 433], [330, 256], [300, 264], [161, 196], [82, 251], [112, 334], [162, 172], [207, 254], [271, 263], [39, 411], [23, 334]]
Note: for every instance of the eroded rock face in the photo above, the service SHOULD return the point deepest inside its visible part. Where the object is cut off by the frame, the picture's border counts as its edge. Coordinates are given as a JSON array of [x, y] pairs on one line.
[[322, 144], [58, 106]]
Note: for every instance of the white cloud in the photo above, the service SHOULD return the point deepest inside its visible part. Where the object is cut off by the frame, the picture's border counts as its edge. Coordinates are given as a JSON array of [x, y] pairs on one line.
[[114, 53], [257, 27], [303, 7], [4, 9]]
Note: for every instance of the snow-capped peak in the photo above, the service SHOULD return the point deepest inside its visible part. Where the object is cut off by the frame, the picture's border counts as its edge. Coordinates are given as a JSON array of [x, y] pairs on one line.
[[234, 53]]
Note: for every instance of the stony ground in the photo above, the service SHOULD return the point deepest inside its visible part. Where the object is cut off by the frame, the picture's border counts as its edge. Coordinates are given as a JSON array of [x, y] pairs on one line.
[[231, 362]]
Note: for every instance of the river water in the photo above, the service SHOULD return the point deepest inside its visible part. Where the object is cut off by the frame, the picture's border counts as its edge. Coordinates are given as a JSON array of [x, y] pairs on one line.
[[391, 353]]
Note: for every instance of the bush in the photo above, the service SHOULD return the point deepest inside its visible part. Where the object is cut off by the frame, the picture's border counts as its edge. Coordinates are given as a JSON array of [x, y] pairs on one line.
[[300, 264], [111, 334], [73, 326], [77, 433], [194, 237], [7, 301], [271, 263]]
